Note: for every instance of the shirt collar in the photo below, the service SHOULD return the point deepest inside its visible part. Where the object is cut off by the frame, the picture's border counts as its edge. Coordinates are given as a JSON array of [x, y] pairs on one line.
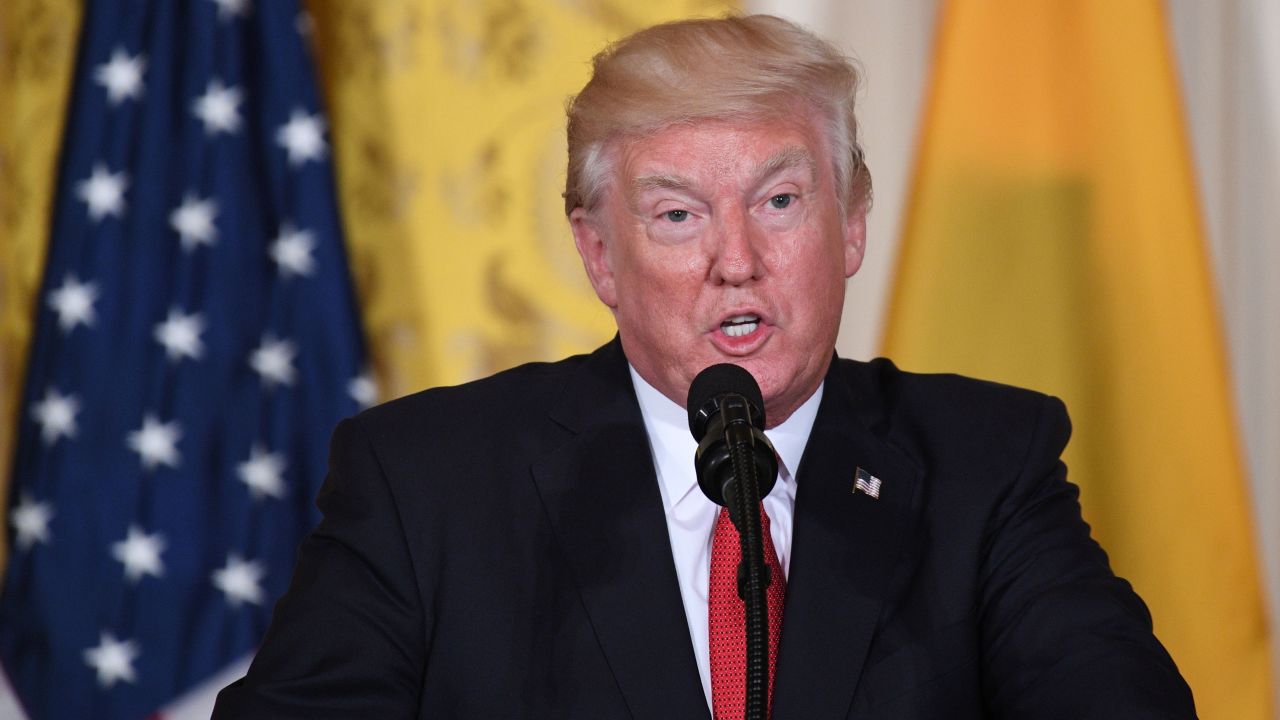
[[673, 447]]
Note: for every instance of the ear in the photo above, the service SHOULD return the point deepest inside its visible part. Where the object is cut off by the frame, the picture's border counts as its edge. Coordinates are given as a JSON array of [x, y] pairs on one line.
[[855, 241], [595, 256]]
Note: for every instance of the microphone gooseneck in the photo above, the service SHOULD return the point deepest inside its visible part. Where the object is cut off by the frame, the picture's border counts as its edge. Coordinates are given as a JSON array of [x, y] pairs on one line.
[[736, 467]]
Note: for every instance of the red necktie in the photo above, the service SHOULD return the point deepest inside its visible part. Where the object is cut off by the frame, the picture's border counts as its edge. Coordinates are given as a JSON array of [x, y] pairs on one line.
[[727, 613]]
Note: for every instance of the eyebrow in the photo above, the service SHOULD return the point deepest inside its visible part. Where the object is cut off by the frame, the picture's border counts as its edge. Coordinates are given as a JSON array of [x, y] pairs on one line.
[[785, 159], [660, 182]]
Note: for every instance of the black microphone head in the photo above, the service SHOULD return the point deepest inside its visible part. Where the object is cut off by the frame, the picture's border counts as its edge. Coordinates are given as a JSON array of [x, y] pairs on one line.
[[714, 382]]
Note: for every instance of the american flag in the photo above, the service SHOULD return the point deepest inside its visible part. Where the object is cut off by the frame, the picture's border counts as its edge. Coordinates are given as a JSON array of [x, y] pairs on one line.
[[196, 340], [867, 483]]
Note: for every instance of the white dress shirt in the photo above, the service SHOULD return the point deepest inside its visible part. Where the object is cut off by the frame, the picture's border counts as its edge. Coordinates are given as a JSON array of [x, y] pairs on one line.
[[691, 517]]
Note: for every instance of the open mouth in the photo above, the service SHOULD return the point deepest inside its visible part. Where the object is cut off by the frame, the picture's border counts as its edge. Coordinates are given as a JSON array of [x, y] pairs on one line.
[[740, 325]]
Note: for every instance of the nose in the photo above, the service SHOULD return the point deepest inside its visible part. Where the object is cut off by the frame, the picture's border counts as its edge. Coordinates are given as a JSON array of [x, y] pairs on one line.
[[736, 258]]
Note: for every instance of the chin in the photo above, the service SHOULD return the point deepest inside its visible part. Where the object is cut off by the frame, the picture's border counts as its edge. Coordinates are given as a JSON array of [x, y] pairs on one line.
[[772, 386]]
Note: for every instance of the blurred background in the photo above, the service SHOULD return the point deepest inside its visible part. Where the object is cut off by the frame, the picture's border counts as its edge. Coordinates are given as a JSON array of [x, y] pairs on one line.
[[226, 224]]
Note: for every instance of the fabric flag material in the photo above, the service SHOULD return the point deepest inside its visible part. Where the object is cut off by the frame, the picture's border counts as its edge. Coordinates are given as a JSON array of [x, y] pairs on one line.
[[1053, 241], [450, 160], [196, 339], [37, 60]]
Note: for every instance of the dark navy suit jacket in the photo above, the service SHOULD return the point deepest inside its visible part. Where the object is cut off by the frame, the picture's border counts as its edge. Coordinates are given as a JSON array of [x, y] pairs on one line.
[[498, 550]]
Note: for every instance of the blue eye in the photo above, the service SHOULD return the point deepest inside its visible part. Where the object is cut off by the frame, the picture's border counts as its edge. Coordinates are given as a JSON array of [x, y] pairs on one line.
[[780, 202], [677, 215]]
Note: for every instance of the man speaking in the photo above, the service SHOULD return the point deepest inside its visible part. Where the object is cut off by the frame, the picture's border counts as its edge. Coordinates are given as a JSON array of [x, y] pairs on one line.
[[536, 544]]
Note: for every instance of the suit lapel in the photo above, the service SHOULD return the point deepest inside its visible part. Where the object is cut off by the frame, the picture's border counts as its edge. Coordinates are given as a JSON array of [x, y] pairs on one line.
[[844, 548], [600, 492]]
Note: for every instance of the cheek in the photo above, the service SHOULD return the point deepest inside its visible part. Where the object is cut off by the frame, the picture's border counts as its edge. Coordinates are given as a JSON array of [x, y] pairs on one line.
[[659, 294], [808, 260], [667, 274], [645, 290], [811, 271]]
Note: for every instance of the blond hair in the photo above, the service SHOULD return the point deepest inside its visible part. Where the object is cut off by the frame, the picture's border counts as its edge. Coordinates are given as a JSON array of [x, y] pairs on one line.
[[751, 68]]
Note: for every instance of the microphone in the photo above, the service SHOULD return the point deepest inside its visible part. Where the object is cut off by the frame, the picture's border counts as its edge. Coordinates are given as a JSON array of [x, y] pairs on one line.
[[736, 467], [726, 416]]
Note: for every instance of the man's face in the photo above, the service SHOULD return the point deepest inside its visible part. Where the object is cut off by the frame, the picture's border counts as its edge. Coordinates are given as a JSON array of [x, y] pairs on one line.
[[723, 241]]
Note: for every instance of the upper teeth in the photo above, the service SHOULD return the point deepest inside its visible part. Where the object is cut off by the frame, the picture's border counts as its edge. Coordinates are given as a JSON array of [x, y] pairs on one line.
[[740, 325]]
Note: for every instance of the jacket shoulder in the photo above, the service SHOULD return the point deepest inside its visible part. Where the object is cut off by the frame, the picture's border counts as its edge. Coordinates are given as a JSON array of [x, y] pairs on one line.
[[935, 415], [510, 394], [938, 392]]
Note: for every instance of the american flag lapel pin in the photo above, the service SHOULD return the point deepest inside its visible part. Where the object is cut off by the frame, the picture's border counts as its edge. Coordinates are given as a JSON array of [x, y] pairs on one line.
[[867, 483]]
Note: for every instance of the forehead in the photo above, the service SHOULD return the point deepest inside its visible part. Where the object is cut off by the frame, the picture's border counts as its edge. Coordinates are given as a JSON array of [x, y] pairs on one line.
[[720, 150]]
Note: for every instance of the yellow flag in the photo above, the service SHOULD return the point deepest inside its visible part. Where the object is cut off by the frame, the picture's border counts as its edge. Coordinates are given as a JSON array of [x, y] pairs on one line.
[[448, 127], [37, 56], [1053, 241]]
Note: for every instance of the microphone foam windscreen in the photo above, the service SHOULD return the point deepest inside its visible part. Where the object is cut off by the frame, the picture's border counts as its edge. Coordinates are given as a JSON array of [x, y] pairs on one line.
[[714, 382]]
